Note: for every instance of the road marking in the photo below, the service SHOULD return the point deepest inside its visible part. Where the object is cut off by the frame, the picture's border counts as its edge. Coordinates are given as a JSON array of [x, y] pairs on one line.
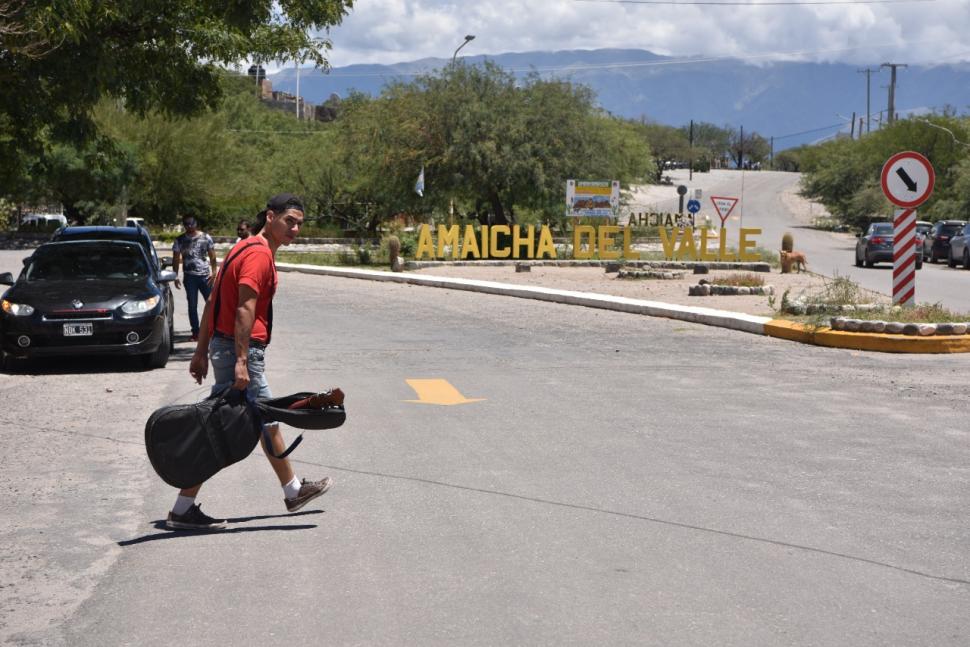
[[438, 391]]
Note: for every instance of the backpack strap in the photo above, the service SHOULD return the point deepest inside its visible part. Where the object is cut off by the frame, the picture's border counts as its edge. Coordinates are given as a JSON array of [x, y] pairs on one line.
[[218, 290]]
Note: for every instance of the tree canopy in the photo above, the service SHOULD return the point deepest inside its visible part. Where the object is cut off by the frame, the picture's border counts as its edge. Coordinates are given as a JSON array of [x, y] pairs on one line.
[[59, 58]]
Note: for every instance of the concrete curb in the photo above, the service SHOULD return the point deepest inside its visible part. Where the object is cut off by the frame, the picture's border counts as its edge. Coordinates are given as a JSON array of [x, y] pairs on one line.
[[871, 341], [709, 316], [779, 328]]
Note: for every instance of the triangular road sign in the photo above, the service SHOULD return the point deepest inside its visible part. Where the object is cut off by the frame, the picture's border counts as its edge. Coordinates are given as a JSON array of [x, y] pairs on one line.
[[724, 206]]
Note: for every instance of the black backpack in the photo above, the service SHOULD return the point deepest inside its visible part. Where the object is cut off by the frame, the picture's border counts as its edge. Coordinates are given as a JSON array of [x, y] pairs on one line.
[[189, 443]]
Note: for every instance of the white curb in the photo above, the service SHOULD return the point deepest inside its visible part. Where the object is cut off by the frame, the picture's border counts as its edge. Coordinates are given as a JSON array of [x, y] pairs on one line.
[[708, 316]]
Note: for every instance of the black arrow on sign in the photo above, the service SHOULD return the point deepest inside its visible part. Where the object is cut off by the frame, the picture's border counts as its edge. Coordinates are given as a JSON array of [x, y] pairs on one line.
[[908, 181]]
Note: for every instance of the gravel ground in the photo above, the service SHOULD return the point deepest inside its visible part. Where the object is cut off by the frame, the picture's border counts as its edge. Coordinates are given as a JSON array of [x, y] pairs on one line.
[[595, 279]]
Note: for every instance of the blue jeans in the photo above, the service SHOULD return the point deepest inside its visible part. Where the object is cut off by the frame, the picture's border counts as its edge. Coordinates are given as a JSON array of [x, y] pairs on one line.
[[194, 284], [222, 354]]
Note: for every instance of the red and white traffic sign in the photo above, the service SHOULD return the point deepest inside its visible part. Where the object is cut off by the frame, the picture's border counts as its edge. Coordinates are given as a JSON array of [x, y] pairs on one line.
[[904, 257], [724, 207], [907, 179]]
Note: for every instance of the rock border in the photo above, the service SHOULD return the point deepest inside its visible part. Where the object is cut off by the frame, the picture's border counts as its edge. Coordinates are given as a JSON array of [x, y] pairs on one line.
[[845, 324], [712, 289]]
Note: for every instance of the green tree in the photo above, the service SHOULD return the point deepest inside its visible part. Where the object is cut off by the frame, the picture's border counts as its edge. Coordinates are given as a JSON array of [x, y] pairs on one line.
[[668, 145], [59, 58]]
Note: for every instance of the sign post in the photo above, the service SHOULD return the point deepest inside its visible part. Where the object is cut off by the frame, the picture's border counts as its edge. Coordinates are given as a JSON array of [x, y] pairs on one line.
[[724, 207], [907, 180]]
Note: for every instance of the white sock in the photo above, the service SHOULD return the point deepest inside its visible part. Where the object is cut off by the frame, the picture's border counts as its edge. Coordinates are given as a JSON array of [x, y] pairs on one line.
[[292, 489], [182, 504]]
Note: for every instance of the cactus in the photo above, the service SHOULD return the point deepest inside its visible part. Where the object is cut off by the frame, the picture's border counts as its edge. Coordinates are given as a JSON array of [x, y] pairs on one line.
[[393, 252], [787, 242]]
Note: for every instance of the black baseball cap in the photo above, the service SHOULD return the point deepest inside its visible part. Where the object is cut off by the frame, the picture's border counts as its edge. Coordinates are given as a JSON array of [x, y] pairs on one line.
[[280, 202]]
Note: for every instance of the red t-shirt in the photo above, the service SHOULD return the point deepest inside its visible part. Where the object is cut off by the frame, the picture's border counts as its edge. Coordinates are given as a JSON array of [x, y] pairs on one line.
[[253, 267]]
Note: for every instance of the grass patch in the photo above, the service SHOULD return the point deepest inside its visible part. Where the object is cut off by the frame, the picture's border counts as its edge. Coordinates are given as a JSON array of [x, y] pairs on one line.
[[745, 280], [353, 258]]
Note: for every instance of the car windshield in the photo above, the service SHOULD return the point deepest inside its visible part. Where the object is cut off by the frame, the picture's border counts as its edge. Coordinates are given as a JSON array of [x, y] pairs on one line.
[[951, 230], [86, 262], [883, 229]]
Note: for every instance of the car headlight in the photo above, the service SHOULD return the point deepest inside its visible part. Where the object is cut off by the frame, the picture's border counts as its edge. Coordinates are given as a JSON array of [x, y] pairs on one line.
[[140, 307], [16, 309]]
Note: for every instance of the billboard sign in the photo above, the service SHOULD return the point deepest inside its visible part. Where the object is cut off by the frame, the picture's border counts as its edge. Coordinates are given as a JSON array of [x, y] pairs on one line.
[[592, 199]]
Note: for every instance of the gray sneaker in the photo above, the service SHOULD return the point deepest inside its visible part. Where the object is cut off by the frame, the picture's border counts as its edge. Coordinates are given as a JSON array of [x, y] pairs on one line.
[[309, 490], [193, 519]]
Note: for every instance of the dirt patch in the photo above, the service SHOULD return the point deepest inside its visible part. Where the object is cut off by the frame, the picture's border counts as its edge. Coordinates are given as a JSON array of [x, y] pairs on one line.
[[595, 279]]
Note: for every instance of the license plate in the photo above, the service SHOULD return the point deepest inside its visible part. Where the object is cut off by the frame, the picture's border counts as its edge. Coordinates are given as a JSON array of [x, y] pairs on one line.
[[78, 330]]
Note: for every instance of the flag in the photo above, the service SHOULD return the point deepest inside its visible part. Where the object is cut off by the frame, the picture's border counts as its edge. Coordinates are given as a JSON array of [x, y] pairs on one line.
[[419, 185]]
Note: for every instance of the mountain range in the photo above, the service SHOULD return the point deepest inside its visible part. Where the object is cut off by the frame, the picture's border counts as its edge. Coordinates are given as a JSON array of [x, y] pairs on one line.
[[793, 102]]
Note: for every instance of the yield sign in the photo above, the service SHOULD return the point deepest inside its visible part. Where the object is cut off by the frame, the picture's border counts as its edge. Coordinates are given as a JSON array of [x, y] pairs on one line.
[[907, 179], [724, 206]]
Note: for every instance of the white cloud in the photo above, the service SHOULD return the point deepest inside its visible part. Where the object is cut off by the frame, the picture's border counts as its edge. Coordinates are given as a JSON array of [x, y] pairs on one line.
[[389, 31]]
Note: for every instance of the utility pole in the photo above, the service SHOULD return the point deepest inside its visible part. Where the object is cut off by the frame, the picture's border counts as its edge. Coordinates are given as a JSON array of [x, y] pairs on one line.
[[852, 129], [868, 74], [771, 154], [892, 89], [741, 150], [690, 140]]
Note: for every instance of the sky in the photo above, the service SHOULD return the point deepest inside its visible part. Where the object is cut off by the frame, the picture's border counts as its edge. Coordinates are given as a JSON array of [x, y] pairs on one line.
[[863, 32]]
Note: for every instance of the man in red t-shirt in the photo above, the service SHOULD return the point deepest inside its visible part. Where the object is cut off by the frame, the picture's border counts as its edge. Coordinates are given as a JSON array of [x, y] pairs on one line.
[[237, 343]]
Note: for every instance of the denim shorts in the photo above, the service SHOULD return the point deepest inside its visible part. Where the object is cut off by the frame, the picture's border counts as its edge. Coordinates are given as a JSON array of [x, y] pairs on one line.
[[222, 354]]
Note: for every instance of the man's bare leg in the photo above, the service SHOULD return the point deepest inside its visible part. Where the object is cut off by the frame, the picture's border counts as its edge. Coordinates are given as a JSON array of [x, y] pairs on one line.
[[282, 467]]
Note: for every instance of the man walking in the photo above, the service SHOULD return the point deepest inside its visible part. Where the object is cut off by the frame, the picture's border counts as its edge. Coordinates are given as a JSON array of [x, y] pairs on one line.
[[190, 250], [235, 339]]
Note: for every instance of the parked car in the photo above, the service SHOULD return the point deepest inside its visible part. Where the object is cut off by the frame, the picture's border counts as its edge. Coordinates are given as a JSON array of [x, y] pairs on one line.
[[88, 297], [136, 234], [936, 245], [43, 222], [960, 248], [875, 245]]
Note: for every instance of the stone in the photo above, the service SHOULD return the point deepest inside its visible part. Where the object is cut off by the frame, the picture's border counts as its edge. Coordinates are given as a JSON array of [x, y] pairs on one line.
[[910, 329], [703, 282], [797, 309], [701, 269], [612, 268], [865, 326], [705, 290], [878, 326], [853, 325], [522, 267], [894, 327], [837, 323], [744, 291], [959, 329], [944, 329], [925, 330]]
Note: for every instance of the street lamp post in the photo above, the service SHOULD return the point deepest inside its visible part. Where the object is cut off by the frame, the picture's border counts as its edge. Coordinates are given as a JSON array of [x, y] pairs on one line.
[[469, 38]]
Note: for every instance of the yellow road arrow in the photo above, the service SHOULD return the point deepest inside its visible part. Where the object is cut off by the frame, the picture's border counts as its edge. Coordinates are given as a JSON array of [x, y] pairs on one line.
[[438, 392]]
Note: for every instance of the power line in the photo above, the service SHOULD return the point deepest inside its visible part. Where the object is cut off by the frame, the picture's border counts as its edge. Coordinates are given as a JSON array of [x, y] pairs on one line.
[[766, 3], [813, 130]]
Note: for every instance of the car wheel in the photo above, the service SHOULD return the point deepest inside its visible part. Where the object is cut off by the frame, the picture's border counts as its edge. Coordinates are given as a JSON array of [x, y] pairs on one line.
[[171, 337], [950, 261], [159, 358], [966, 259], [919, 263], [858, 261], [933, 257], [869, 263]]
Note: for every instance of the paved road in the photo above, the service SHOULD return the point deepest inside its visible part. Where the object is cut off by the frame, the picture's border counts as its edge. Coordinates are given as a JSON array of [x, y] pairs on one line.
[[626, 480], [831, 254]]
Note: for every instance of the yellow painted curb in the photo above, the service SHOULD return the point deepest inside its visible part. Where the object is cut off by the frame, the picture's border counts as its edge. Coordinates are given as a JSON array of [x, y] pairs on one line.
[[873, 341]]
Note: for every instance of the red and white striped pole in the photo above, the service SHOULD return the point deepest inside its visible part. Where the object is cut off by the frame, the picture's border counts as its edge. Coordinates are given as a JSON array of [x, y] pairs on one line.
[[904, 257]]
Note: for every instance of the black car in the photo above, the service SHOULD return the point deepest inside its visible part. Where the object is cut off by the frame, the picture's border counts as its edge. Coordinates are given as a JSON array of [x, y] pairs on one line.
[[87, 298], [936, 245], [876, 246], [136, 234]]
